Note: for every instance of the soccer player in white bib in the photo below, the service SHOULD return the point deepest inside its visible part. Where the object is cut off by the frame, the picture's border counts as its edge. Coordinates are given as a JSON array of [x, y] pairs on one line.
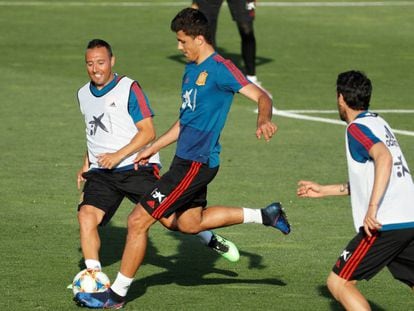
[[382, 197], [118, 121]]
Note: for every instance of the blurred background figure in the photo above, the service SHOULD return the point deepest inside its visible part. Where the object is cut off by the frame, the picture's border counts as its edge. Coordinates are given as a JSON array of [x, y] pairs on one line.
[[243, 13]]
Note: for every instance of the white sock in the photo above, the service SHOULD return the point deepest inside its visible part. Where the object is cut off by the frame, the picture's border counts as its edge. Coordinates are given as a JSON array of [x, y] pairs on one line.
[[93, 264], [121, 284], [252, 79], [252, 216], [205, 236]]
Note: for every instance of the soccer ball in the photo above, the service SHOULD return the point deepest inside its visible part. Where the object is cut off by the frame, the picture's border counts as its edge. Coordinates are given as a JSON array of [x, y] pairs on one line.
[[90, 281]]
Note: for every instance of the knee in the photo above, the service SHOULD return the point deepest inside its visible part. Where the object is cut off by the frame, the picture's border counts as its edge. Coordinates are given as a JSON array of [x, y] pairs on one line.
[[336, 285], [333, 285], [190, 221], [189, 230], [139, 220], [170, 223], [89, 216], [246, 30], [188, 227], [134, 221]]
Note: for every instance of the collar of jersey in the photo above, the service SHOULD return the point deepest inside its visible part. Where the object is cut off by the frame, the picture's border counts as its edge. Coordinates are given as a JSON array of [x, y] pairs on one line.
[[204, 61], [366, 114], [105, 89]]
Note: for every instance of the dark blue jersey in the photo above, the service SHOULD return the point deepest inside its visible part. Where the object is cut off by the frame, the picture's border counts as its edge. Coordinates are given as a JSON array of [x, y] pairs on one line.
[[207, 93]]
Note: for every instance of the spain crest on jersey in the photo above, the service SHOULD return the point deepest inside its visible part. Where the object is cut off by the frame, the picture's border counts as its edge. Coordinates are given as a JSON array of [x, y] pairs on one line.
[[202, 77]]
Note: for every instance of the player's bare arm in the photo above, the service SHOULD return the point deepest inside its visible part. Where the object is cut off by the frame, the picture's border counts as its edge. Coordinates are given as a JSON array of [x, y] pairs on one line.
[[146, 134], [164, 140], [383, 166], [310, 189], [265, 126]]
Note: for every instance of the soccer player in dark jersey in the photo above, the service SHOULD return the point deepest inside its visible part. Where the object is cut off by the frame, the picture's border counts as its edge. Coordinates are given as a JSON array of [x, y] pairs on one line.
[[208, 87]]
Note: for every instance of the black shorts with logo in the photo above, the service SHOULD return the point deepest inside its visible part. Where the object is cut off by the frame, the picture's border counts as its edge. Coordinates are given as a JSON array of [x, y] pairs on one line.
[[105, 189], [184, 186], [366, 256]]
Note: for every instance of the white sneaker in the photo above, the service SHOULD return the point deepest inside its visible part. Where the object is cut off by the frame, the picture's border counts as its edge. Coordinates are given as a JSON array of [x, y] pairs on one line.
[[255, 81]]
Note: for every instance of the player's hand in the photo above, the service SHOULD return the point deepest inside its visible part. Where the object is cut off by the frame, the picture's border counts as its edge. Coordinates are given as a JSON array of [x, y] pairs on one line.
[[143, 157], [80, 178], [371, 224], [309, 189], [266, 129], [109, 160]]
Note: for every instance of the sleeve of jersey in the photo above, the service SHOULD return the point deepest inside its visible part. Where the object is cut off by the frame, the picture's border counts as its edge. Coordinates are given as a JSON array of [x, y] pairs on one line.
[[231, 78], [138, 104], [360, 141]]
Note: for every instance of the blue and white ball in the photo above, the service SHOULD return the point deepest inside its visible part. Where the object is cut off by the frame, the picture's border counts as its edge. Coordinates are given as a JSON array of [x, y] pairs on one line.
[[90, 281]]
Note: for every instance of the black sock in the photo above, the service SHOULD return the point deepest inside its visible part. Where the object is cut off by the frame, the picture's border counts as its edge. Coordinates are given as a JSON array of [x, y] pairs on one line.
[[213, 241]]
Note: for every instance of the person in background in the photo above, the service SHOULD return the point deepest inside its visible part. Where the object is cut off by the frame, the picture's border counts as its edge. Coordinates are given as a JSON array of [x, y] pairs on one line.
[[243, 13]]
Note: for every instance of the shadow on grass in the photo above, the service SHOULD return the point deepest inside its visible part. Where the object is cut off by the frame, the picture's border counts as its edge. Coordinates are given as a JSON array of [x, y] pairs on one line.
[[188, 267], [336, 306], [235, 58]]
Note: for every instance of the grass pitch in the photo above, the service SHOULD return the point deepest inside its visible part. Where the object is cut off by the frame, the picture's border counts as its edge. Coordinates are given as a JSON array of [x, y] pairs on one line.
[[301, 49]]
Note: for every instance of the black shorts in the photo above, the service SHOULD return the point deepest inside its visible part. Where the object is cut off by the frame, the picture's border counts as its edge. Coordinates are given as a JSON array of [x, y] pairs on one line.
[[238, 9], [184, 186], [105, 189], [366, 256]]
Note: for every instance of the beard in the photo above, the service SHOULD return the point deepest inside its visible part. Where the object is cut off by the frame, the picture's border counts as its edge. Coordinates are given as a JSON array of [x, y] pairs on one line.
[[342, 115]]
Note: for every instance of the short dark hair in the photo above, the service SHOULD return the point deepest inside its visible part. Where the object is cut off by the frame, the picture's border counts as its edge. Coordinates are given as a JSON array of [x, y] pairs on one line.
[[193, 23], [99, 43], [356, 89]]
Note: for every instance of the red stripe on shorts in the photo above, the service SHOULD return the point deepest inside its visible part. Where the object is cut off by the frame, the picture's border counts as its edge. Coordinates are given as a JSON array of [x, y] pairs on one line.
[[178, 191], [357, 257], [156, 171]]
